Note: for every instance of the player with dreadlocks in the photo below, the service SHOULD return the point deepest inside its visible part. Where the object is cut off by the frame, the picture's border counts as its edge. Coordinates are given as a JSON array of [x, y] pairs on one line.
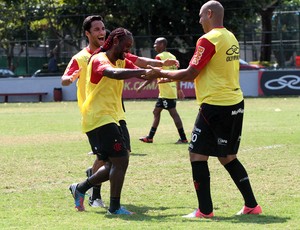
[[101, 113], [95, 32]]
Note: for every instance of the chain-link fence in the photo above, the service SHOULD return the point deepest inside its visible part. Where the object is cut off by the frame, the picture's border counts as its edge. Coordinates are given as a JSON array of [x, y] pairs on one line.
[[27, 60]]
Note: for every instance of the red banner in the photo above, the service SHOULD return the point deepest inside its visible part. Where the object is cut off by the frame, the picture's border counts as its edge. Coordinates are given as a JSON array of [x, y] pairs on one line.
[[151, 90]]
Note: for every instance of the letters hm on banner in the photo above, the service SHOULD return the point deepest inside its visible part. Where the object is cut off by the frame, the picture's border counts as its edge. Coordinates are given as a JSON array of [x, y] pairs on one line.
[[151, 90]]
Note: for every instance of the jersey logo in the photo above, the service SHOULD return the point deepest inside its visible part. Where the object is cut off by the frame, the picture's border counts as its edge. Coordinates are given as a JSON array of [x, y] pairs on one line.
[[197, 56], [233, 50], [233, 53], [117, 147]]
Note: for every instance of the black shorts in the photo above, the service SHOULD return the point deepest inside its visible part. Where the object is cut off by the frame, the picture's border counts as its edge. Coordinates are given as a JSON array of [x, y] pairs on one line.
[[107, 141], [218, 129], [125, 134], [165, 103]]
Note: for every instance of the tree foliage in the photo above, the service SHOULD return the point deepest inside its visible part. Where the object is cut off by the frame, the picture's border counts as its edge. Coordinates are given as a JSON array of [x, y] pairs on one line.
[[29, 21]]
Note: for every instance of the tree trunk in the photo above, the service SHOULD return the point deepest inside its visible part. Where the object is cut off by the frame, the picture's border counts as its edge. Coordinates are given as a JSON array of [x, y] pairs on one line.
[[10, 56], [266, 38]]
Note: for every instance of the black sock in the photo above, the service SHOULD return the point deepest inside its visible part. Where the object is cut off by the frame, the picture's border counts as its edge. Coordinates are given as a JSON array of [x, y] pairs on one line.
[[182, 134], [96, 193], [89, 172], [240, 177], [201, 179], [84, 186], [152, 132], [114, 204]]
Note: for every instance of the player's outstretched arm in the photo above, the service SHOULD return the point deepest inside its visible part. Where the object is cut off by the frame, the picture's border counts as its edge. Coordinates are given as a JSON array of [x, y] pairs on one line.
[[68, 79], [188, 74], [143, 85], [122, 74], [143, 62], [171, 62]]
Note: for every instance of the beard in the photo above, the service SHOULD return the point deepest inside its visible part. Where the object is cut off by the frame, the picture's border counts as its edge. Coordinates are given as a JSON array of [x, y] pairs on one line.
[[121, 56]]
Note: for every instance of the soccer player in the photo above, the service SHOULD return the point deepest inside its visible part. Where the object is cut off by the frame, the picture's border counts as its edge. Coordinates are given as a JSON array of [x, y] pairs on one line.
[[101, 112], [214, 68], [95, 31], [167, 96]]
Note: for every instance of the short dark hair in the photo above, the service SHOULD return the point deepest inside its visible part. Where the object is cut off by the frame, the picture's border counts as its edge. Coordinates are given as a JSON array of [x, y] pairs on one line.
[[87, 23], [162, 40]]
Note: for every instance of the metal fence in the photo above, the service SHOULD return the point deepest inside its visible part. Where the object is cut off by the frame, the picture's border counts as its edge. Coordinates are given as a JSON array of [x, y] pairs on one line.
[[28, 60]]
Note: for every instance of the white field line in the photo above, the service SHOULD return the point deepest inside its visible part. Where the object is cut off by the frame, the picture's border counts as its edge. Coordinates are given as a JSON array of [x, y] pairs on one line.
[[262, 148]]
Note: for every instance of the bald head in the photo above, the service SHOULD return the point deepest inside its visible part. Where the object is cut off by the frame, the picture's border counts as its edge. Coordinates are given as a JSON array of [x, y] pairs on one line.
[[212, 13], [160, 44], [215, 7]]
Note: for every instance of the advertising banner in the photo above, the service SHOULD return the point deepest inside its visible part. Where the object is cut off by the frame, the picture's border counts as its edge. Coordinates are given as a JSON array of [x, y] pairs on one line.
[[151, 90], [279, 82]]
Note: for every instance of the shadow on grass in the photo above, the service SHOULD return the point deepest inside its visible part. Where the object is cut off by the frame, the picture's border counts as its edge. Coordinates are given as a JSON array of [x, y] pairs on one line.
[[138, 154], [142, 215], [254, 219]]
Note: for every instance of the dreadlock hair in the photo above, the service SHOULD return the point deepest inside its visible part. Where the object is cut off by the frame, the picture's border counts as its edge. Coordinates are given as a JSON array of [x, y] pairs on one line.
[[95, 52], [107, 33], [119, 33]]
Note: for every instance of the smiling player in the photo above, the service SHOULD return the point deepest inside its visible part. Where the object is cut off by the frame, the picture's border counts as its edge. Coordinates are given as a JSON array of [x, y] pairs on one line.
[[94, 30]]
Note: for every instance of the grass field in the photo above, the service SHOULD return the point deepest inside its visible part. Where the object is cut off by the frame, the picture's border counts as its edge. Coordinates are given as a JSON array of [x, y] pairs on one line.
[[42, 151]]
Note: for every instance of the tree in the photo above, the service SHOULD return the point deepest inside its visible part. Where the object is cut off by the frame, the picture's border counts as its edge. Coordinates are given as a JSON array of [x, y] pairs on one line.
[[60, 22], [265, 10], [10, 29]]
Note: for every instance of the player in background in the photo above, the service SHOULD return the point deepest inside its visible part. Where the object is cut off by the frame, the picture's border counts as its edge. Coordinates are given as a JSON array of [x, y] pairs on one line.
[[168, 93]]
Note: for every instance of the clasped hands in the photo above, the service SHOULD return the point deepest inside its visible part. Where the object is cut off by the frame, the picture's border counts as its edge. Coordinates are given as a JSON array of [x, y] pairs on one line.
[[154, 73]]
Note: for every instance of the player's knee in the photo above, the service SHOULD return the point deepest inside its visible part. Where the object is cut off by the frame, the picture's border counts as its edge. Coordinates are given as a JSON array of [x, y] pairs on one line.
[[226, 160]]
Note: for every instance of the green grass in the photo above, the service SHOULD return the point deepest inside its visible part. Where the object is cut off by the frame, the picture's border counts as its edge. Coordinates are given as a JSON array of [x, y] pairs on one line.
[[42, 151]]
